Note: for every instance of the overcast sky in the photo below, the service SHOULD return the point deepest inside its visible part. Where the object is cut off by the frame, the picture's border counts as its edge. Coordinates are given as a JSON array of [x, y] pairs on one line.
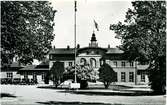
[[104, 12]]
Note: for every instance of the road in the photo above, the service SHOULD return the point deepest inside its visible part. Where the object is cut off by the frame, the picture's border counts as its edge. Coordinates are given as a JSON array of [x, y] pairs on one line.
[[32, 95]]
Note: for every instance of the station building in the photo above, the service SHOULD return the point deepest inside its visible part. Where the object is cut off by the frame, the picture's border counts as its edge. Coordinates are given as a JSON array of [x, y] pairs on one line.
[[94, 55]]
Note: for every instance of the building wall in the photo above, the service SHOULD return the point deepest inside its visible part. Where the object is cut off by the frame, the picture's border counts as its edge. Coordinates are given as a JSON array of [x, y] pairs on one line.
[[118, 68], [88, 59], [3, 74], [117, 65], [66, 63], [39, 77]]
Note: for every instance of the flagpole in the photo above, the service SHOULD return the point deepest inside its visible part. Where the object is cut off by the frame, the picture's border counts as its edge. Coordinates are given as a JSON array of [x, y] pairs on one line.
[[75, 9]]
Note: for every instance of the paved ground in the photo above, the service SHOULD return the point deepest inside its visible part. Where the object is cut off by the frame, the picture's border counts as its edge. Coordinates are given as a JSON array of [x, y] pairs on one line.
[[32, 95]]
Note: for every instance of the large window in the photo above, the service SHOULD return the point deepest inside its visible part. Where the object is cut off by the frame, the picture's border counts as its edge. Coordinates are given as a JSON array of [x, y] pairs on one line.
[[92, 62], [123, 64], [9, 75], [34, 76], [116, 74], [131, 77], [123, 77], [115, 63], [83, 61], [69, 63], [43, 76], [142, 76], [131, 64], [25, 76]]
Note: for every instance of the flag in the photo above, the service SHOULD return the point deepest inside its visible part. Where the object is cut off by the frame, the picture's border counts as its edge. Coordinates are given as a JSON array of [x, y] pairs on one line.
[[75, 6], [96, 25]]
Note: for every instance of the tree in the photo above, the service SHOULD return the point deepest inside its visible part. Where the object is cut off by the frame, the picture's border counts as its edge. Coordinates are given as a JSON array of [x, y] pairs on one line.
[[26, 29], [107, 75], [143, 36], [84, 74], [56, 72]]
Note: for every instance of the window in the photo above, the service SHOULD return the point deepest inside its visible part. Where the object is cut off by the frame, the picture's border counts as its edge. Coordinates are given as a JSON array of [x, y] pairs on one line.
[[69, 63], [142, 77], [43, 76], [107, 61], [92, 62], [131, 64], [9, 75], [131, 77], [123, 77], [34, 76], [83, 61], [143, 63], [25, 76], [116, 76], [115, 63], [123, 64]]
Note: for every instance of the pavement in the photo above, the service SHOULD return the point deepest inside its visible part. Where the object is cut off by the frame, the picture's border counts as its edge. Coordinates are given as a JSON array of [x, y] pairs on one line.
[[31, 95]]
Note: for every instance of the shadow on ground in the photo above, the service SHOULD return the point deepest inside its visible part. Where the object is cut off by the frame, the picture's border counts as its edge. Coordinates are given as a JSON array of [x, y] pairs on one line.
[[122, 93], [73, 103], [108, 92], [117, 87], [6, 95]]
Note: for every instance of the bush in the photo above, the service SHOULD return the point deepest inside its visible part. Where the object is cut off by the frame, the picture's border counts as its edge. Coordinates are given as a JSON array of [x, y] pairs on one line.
[[84, 74], [107, 75]]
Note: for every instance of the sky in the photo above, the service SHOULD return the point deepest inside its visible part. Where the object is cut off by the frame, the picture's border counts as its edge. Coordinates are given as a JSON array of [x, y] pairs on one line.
[[104, 12]]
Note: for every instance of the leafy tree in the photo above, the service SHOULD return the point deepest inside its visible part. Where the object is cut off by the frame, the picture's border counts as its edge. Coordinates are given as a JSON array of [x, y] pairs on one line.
[[26, 29], [56, 72], [107, 75], [84, 74], [143, 36]]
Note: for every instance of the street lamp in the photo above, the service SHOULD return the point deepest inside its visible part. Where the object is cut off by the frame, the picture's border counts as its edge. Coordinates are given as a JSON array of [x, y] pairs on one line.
[[75, 85]]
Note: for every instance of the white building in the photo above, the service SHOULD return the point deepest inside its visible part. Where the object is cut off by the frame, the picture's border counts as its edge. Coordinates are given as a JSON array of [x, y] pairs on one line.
[[93, 55]]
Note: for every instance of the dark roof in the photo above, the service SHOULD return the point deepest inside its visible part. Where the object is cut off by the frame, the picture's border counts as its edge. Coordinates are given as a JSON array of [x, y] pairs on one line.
[[34, 68], [15, 64], [71, 50], [62, 51], [29, 67], [45, 62]]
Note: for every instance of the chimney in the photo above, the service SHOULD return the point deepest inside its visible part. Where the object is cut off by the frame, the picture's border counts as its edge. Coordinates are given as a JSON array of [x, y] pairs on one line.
[[68, 47], [109, 46], [78, 46]]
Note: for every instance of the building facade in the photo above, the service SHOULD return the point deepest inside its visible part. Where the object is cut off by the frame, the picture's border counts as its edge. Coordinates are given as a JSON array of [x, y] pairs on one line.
[[93, 55], [30, 74]]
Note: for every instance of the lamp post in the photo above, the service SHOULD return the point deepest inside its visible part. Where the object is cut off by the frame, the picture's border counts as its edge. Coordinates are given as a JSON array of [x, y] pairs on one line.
[[75, 9], [75, 85]]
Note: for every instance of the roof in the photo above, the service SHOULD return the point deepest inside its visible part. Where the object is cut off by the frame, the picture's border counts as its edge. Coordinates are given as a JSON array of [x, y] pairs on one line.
[[33, 68], [15, 64], [71, 50], [62, 51], [29, 67], [114, 51], [45, 62]]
